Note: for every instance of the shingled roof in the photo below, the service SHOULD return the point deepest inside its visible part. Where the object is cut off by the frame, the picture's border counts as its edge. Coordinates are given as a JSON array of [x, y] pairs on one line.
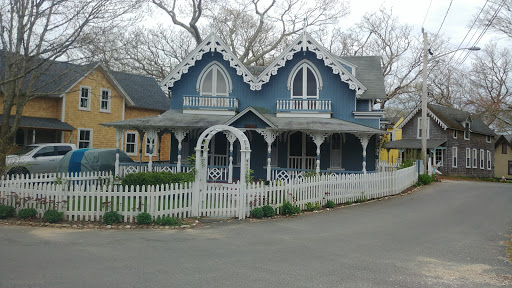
[[59, 77], [453, 118], [369, 73]]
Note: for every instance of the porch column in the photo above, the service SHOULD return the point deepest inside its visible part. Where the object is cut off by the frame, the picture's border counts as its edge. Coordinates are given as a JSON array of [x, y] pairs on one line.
[[364, 138], [179, 134], [269, 136], [141, 141], [231, 138], [34, 137], [159, 139], [150, 137], [318, 138], [119, 139]]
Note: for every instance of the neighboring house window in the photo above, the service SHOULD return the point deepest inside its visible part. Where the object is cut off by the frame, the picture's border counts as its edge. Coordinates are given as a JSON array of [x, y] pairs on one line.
[[475, 158], [454, 157], [150, 145], [509, 167], [455, 134], [466, 130], [489, 160], [468, 158], [482, 159], [84, 138], [214, 81], [420, 127], [336, 150], [84, 102], [130, 145], [439, 157], [503, 148], [105, 100], [304, 82], [488, 139]]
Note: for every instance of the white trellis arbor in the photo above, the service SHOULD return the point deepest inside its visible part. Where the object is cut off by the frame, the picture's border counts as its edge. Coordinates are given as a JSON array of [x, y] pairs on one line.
[[203, 142]]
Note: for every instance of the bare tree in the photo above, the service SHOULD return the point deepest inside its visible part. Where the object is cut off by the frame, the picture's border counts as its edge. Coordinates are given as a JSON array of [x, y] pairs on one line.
[[497, 15], [33, 35]]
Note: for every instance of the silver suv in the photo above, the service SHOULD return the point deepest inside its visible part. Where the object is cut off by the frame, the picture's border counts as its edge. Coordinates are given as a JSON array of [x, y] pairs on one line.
[[38, 158]]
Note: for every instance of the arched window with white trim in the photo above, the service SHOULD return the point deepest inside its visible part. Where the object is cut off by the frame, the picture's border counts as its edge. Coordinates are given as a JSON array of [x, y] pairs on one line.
[[214, 81], [305, 81]]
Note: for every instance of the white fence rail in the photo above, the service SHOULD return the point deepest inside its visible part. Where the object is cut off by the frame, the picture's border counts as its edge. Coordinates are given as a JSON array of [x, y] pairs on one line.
[[88, 202]]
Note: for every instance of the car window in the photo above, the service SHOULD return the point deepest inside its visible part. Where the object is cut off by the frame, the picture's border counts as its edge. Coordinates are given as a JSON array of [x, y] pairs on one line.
[[62, 150], [45, 151], [25, 150]]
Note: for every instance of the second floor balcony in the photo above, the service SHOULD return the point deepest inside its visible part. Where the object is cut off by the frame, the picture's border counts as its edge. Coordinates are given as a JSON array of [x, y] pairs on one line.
[[210, 105], [304, 107]]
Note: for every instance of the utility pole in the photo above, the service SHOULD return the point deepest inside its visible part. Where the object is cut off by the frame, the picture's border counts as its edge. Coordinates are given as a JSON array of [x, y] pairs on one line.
[[424, 103]]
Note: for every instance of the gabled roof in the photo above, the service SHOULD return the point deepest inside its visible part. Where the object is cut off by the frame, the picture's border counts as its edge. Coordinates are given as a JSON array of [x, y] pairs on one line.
[[368, 71], [247, 110], [306, 43], [451, 118], [60, 77], [504, 138]]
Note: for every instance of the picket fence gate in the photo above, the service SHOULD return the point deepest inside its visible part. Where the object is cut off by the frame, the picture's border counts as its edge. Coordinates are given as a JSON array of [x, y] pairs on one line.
[[88, 197]]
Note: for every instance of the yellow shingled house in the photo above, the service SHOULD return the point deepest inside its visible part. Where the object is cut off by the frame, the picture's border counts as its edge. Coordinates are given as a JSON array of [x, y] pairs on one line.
[[73, 100], [392, 155]]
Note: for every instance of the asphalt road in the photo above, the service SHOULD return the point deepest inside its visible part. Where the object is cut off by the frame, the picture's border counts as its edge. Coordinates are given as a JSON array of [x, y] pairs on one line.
[[445, 235]]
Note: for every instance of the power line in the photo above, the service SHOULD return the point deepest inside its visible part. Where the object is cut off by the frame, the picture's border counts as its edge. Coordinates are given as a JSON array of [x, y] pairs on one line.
[[446, 14], [426, 14]]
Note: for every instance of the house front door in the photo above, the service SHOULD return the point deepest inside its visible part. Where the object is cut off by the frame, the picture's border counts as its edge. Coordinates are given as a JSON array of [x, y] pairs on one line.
[[301, 151]]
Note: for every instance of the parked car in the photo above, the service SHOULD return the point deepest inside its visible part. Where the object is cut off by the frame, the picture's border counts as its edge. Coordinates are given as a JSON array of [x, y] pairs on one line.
[[91, 160], [38, 158]]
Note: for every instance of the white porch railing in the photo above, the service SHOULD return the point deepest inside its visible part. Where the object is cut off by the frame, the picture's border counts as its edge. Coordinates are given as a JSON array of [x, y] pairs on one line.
[[300, 162], [215, 172], [295, 105], [90, 202], [211, 102]]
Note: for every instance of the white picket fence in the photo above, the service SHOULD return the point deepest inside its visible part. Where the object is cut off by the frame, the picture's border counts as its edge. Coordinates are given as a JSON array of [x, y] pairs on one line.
[[88, 202]]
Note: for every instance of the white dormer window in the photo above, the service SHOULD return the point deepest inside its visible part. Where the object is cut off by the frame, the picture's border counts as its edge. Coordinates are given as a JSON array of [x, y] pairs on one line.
[[418, 136], [467, 132], [305, 81], [214, 81]]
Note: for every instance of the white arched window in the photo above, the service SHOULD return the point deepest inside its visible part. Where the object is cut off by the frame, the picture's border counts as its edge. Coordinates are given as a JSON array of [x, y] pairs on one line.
[[305, 81], [214, 81]]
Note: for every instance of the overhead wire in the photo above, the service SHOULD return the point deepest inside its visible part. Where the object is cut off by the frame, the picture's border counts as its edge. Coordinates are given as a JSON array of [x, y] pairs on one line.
[[426, 14], [446, 14]]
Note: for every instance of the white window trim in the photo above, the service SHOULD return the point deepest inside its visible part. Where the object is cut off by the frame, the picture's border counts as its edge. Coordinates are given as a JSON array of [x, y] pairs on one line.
[[482, 159], [488, 137], [418, 134], [468, 157], [489, 160], [475, 158], [216, 66], [155, 148], [454, 134], [109, 102], [469, 131], [442, 157], [136, 143], [78, 137], [88, 108], [455, 157], [319, 83]]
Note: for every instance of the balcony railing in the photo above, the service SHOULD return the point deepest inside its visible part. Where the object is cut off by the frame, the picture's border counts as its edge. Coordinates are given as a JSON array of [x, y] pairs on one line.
[[210, 102], [295, 105]]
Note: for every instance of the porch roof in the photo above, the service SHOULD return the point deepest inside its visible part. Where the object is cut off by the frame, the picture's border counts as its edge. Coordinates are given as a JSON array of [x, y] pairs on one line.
[[413, 144], [41, 123]]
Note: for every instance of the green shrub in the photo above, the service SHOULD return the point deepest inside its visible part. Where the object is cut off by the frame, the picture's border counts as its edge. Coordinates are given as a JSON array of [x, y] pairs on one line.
[[425, 179], [348, 202], [53, 216], [330, 204], [406, 163], [144, 218], [112, 217], [310, 206], [7, 211], [257, 212], [287, 208], [157, 178], [268, 211], [166, 221], [27, 213], [295, 210]]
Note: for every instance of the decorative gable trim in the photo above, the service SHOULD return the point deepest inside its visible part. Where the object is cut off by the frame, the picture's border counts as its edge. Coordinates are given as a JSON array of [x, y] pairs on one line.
[[429, 113], [245, 111], [212, 43], [307, 43]]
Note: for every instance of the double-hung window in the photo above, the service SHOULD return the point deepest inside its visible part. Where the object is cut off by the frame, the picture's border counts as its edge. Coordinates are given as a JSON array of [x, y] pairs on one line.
[[84, 102], [455, 134], [439, 157], [454, 157], [489, 160], [468, 157], [503, 148], [466, 130], [84, 138], [482, 159], [475, 158], [420, 127], [105, 100], [130, 145]]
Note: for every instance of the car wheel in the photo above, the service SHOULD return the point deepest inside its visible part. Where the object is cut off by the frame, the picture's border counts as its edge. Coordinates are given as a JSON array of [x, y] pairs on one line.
[[18, 170]]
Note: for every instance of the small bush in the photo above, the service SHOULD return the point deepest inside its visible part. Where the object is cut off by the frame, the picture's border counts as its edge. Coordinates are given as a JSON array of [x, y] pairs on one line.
[[310, 206], [405, 164], [330, 204], [268, 211], [348, 202], [295, 210], [144, 218], [425, 179], [166, 221], [257, 212], [112, 217], [6, 211], [157, 178], [27, 213], [287, 208], [53, 216]]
